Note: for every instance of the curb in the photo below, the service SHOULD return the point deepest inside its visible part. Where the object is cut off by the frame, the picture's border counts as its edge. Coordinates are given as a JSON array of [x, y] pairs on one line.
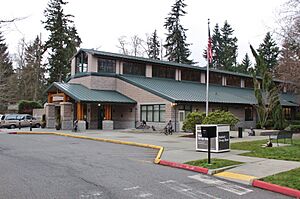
[[156, 160], [276, 188], [184, 166]]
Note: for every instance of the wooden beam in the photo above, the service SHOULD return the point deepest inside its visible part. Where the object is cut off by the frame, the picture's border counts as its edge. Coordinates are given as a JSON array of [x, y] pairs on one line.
[[79, 111]]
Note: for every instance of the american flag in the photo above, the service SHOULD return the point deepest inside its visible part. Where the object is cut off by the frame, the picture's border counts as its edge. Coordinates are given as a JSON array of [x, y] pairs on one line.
[[209, 47]]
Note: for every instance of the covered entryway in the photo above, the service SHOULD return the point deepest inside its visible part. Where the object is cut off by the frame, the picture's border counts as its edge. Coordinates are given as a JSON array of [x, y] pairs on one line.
[[93, 109]]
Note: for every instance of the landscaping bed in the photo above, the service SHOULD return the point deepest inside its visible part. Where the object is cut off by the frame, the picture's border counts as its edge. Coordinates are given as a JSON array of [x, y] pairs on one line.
[[215, 163], [291, 152]]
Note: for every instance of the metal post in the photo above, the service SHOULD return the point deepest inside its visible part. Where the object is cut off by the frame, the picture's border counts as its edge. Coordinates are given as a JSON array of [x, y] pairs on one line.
[[208, 150], [30, 125], [19, 124]]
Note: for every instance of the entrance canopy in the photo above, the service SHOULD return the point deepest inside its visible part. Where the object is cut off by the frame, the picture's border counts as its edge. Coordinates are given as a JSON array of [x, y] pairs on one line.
[[81, 93]]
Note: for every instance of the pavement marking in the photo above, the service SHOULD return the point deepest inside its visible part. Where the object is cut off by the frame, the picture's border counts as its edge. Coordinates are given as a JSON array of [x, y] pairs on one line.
[[237, 176], [131, 188], [233, 188], [144, 195], [187, 190]]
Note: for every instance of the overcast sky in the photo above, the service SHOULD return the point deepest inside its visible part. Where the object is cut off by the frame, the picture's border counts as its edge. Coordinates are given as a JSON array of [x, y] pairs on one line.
[[101, 22]]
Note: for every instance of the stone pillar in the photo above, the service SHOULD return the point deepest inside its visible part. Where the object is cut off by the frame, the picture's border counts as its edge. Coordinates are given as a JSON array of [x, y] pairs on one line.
[[66, 115], [81, 125], [50, 115], [108, 125]]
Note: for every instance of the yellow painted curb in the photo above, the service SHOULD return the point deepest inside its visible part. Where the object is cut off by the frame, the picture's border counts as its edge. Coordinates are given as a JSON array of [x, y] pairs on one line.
[[236, 176], [156, 160]]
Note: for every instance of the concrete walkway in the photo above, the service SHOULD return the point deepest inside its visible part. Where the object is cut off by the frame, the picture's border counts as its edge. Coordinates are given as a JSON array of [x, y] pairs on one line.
[[182, 149]]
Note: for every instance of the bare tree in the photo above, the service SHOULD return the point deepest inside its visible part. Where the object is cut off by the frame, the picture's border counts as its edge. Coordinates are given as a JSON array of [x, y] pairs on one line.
[[136, 46], [123, 45]]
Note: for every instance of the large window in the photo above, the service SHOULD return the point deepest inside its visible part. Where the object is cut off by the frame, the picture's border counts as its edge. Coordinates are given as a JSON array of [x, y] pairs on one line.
[[81, 63], [106, 66], [153, 113], [190, 75], [249, 113], [163, 71], [134, 68]]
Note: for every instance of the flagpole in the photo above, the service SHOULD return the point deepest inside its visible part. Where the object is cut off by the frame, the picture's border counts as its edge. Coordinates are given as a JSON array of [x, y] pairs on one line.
[[207, 72]]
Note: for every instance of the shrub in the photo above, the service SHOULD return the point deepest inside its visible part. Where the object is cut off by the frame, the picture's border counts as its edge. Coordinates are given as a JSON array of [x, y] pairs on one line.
[[221, 117], [191, 120], [27, 106]]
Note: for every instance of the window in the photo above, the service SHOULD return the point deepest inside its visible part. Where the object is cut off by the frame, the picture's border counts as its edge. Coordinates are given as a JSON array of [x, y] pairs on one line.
[[215, 78], [106, 65], [81, 63], [153, 113], [287, 112], [134, 68], [233, 81], [190, 75], [163, 72], [249, 113], [249, 83]]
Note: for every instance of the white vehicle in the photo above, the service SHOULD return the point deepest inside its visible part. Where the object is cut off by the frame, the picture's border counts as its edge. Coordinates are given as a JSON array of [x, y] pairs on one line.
[[23, 120]]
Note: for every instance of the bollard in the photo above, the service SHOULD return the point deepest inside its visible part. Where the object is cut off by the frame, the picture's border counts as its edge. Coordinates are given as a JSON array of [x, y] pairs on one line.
[[19, 124], [30, 125]]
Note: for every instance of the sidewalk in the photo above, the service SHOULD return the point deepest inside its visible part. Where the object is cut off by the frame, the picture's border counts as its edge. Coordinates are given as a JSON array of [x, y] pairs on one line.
[[182, 149]]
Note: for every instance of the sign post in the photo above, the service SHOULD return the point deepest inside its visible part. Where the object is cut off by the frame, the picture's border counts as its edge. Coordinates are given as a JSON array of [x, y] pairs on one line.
[[209, 132]]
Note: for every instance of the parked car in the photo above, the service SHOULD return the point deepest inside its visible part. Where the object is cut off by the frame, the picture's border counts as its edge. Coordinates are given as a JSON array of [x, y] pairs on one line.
[[15, 120]]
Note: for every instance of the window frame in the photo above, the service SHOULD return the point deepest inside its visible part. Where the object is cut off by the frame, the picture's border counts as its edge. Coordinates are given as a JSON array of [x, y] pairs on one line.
[[247, 118], [109, 65], [149, 110]]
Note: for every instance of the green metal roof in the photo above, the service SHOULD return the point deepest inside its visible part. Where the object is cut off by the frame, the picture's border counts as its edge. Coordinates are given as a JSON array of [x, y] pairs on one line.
[[167, 63], [81, 93], [183, 91]]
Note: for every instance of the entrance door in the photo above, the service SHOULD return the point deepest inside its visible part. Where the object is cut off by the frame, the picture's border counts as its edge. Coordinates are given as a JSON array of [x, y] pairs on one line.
[[181, 116], [100, 116]]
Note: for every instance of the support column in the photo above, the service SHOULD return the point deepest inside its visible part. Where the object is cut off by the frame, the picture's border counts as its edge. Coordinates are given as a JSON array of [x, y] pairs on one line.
[[66, 115], [50, 115], [81, 122], [107, 123]]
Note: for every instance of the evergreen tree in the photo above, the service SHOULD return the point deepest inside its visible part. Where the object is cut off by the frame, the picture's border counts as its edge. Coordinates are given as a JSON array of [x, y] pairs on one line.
[[228, 48], [154, 46], [63, 39], [269, 51], [176, 46], [267, 95], [224, 48], [216, 41], [33, 74], [244, 66], [6, 72]]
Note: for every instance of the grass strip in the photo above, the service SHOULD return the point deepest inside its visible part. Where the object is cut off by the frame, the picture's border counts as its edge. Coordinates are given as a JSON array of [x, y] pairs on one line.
[[215, 163], [289, 179], [291, 152]]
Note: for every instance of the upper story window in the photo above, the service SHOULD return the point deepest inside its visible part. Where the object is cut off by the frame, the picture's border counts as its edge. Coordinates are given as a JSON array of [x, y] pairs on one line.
[[215, 78], [249, 83], [163, 71], [232, 80], [190, 75], [134, 68], [81, 63], [106, 65]]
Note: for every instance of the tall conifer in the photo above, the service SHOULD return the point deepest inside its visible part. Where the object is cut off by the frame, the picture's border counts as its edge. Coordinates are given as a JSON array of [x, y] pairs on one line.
[[176, 46], [63, 39]]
